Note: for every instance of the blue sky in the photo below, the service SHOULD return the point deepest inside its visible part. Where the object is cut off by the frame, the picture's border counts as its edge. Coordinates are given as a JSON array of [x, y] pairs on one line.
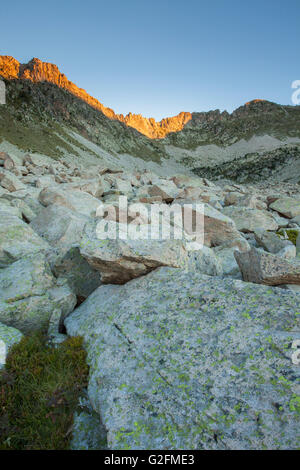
[[161, 57]]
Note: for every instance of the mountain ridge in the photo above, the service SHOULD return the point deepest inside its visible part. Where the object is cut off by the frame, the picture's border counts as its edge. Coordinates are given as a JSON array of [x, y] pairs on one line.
[[43, 114], [38, 71]]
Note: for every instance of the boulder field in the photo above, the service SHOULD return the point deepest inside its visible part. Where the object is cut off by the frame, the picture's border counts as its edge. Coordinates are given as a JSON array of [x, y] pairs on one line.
[[189, 327]]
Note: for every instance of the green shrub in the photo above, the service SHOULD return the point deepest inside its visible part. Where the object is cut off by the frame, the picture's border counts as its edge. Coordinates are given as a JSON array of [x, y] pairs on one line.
[[39, 391]]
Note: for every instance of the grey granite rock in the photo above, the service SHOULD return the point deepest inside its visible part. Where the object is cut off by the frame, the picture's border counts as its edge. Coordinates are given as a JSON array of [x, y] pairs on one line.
[[186, 361], [17, 239], [265, 268], [29, 294], [287, 206]]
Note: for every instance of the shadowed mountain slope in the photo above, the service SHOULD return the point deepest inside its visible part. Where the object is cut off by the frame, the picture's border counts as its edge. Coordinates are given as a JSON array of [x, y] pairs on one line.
[[38, 71], [45, 110]]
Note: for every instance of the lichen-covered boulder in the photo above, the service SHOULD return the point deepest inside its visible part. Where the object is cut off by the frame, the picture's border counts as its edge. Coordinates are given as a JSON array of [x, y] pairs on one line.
[[227, 261], [17, 239], [59, 225], [94, 187], [11, 161], [232, 198], [3, 192], [27, 213], [187, 181], [29, 294], [7, 208], [205, 261], [186, 361], [63, 228], [251, 202]]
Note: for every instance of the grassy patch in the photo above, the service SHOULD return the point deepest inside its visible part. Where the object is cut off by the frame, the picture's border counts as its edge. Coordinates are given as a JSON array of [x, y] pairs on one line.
[[37, 118], [34, 137], [39, 391], [291, 234]]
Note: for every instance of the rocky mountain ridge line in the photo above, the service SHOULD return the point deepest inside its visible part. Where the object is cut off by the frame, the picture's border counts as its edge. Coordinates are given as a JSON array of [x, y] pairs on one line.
[[37, 71]]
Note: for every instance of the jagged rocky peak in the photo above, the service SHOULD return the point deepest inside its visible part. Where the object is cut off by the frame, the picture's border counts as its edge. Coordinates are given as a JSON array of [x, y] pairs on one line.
[[154, 129], [39, 71], [34, 70], [9, 67]]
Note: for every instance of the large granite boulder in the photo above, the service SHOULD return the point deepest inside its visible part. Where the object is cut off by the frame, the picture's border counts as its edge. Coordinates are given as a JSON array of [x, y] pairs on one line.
[[11, 161], [29, 294], [186, 361], [232, 198], [211, 225], [8, 208], [123, 187], [76, 200], [17, 239], [287, 206], [252, 202], [94, 187], [265, 268], [59, 225], [227, 261], [187, 181], [45, 181], [205, 261], [273, 243], [10, 181], [27, 213], [167, 190], [119, 260], [63, 228], [248, 220], [3, 191]]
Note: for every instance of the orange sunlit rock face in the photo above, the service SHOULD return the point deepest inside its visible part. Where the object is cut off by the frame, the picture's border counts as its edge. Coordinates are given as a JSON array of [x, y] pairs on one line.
[[38, 71], [254, 101]]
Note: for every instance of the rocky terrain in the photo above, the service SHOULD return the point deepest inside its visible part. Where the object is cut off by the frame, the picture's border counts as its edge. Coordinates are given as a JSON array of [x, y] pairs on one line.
[[189, 346], [185, 349]]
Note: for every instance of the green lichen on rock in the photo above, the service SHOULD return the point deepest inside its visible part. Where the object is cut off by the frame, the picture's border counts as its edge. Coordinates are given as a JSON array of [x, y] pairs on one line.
[[185, 361]]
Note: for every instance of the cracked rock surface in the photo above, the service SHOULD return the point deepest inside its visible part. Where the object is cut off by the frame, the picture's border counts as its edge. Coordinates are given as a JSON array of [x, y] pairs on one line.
[[186, 361]]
